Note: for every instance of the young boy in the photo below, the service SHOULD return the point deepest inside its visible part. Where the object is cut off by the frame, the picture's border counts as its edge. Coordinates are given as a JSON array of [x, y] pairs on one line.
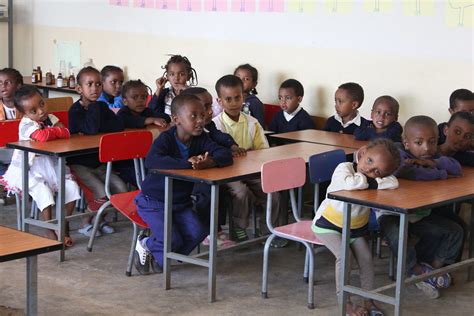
[[292, 116], [349, 97], [112, 81], [89, 117], [459, 133], [248, 134], [183, 146], [440, 240], [134, 113], [461, 100], [384, 123]]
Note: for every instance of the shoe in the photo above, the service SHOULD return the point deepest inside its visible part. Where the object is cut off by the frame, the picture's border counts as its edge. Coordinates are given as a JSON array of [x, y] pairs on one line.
[[278, 242], [141, 258], [240, 234], [87, 231], [223, 240], [105, 228], [428, 288], [441, 281], [155, 267]]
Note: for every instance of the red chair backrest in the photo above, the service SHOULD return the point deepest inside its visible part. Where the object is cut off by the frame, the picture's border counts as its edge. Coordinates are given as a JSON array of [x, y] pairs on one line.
[[63, 117], [270, 111], [124, 145], [294, 170], [8, 131]]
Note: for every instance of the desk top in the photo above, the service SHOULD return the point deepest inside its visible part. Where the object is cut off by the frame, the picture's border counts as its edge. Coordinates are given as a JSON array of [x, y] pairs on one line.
[[74, 146], [16, 244], [250, 166], [43, 85], [413, 195], [322, 137]]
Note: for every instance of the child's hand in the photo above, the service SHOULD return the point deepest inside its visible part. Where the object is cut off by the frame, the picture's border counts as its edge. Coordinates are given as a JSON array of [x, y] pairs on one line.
[[203, 162], [421, 162], [193, 159], [156, 121], [238, 151], [160, 84], [59, 124], [178, 89]]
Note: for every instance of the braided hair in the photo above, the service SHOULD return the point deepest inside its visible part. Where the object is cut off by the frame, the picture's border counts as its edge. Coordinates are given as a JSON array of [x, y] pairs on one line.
[[178, 59]]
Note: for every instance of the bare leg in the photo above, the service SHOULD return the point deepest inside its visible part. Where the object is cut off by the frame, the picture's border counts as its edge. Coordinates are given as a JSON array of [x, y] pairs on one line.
[[46, 216]]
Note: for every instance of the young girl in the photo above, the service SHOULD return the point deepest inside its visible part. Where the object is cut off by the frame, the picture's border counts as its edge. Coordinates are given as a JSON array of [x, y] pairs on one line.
[[38, 125], [112, 81], [252, 105], [180, 74], [375, 164]]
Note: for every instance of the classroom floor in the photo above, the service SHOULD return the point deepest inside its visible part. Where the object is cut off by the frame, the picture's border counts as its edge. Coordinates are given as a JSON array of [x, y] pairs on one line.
[[95, 283]]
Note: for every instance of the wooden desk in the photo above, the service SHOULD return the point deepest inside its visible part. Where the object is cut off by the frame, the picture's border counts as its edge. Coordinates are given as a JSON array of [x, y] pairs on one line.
[[408, 198], [321, 137], [15, 244], [77, 145], [243, 168], [46, 88]]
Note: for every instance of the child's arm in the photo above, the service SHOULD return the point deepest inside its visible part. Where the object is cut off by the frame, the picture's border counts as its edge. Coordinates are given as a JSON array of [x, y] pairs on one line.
[[257, 109], [465, 158], [157, 102], [161, 154], [43, 135], [219, 137], [273, 126], [365, 132], [220, 155], [85, 121], [451, 165], [259, 140], [386, 183], [344, 178], [109, 122], [393, 132], [307, 122]]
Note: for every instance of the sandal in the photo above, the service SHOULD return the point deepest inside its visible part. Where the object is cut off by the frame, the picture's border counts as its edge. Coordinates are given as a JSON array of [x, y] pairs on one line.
[[357, 310], [375, 311]]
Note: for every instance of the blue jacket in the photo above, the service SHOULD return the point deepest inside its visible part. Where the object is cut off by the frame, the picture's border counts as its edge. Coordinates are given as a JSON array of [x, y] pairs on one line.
[[157, 103], [367, 132], [165, 154], [133, 120], [112, 102], [221, 138], [301, 121]]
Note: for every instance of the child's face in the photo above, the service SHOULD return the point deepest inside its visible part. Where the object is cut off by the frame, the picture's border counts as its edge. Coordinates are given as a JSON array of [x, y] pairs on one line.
[[421, 141], [382, 115], [289, 102], [34, 108], [8, 86], [135, 99], [459, 135], [463, 106], [375, 162], [190, 118], [345, 106], [90, 86], [230, 98], [206, 99], [112, 83], [246, 76], [177, 75]]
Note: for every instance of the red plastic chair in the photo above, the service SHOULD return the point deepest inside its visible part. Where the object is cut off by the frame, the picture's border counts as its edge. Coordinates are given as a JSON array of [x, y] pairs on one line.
[[133, 145], [294, 170], [8, 131], [63, 117], [270, 111]]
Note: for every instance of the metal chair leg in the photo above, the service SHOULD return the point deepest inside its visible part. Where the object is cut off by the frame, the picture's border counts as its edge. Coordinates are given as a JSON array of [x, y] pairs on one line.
[[265, 265], [96, 225], [128, 272], [309, 251]]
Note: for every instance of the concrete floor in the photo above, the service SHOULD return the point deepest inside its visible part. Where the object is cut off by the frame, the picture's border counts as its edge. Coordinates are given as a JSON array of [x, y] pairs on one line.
[[95, 283]]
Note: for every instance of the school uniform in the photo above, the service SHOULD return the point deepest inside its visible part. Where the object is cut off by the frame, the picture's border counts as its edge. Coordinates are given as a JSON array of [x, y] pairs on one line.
[[167, 152], [296, 121], [367, 132], [255, 108], [110, 100], [137, 120], [161, 104], [335, 124]]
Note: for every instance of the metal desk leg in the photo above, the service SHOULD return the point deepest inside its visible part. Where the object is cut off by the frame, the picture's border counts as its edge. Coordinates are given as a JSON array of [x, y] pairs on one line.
[[345, 257], [60, 213], [25, 167], [32, 286], [470, 271], [401, 260], [167, 233], [213, 245]]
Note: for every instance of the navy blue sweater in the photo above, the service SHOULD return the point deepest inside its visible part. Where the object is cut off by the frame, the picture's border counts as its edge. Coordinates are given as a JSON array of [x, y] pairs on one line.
[[256, 108], [367, 132], [98, 118], [157, 104], [134, 120], [165, 154], [301, 121], [333, 125], [222, 139]]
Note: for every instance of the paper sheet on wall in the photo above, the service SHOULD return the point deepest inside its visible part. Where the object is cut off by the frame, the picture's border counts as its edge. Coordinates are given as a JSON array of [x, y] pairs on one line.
[[166, 4], [460, 13], [376, 6], [301, 6], [418, 7], [243, 5], [271, 6], [70, 52], [215, 5]]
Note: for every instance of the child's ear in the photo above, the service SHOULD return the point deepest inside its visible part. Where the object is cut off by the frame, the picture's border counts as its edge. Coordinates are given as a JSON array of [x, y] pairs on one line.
[[445, 130], [405, 142], [355, 105], [451, 111], [79, 88], [175, 119], [125, 101], [219, 100]]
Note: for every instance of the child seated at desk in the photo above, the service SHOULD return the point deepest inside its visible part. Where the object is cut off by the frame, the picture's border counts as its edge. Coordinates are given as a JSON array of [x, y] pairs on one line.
[[134, 113], [384, 123], [112, 81], [87, 116], [183, 146], [252, 104], [349, 97], [292, 116], [248, 134], [38, 125], [461, 100], [439, 239], [459, 133], [373, 169]]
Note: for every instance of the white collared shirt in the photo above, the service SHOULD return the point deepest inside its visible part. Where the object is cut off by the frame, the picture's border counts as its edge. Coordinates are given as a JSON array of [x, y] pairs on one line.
[[356, 120], [10, 113], [288, 116]]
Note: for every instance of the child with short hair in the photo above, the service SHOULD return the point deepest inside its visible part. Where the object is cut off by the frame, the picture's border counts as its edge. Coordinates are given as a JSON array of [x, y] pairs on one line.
[[180, 74], [348, 97], [461, 100], [459, 133], [384, 123], [248, 134], [38, 125], [112, 80], [292, 116], [135, 113], [89, 117], [440, 240], [373, 169], [252, 104], [183, 146]]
